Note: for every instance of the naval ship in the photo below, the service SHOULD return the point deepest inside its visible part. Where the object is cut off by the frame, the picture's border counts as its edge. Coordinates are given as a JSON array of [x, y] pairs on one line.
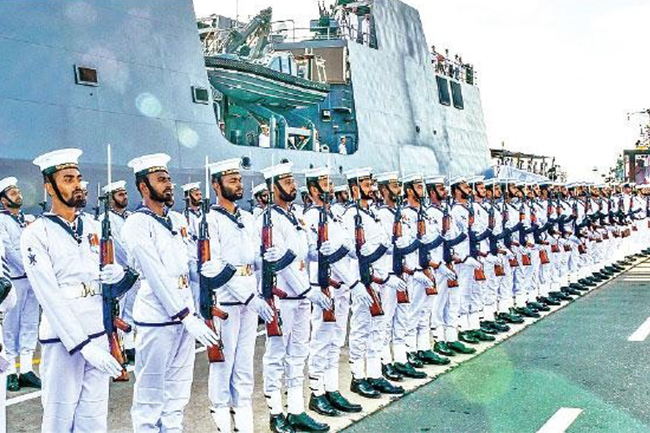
[[143, 79]]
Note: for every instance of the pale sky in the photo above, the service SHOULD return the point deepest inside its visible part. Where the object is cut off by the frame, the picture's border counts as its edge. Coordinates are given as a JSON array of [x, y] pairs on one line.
[[557, 77]]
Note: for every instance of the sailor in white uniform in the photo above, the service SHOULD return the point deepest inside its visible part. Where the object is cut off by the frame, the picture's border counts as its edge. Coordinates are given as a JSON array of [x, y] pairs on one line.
[[61, 256], [20, 323], [342, 200], [325, 349], [285, 356], [261, 194], [234, 252], [164, 307], [193, 213], [7, 302]]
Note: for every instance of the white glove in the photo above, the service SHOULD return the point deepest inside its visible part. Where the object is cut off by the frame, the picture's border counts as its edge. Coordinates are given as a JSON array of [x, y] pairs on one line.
[[422, 279], [273, 254], [471, 261], [319, 299], [360, 296], [327, 248], [101, 360], [348, 243], [402, 242], [262, 309], [211, 269], [491, 259], [428, 238], [396, 283], [111, 274], [446, 273], [366, 249], [200, 331]]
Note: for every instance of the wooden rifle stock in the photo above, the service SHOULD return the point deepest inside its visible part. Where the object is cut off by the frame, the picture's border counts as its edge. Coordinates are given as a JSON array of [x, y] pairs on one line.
[[329, 316], [360, 239], [403, 296], [273, 328]]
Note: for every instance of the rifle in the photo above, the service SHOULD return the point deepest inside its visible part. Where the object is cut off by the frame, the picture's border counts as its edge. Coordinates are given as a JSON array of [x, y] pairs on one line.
[[97, 208], [269, 269], [365, 269], [399, 267], [499, 270], [447, 252], [479, 274], [324, 262], [207, 296], [505, 215], [423, 252], [111, 293]]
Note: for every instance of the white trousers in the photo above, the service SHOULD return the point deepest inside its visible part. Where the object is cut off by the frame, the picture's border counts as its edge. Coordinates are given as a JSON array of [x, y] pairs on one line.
[[21, 324], [365, 343], [74, 394], [447, 308], [164, 370]]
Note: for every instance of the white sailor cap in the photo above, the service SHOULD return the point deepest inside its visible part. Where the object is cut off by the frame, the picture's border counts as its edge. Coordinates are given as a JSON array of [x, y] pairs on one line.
[[359, 174], [491, 181], [56, 160], [190, 186], [572, 184], [413, 178], [387, 177], [341, 188], [115, 186], [225, 167], [545, 182], [8, 182], [279, 171], [433, 180], [476, 179], [317, 173], [149, 163], [259, 188], [457, 180], [84, 185]]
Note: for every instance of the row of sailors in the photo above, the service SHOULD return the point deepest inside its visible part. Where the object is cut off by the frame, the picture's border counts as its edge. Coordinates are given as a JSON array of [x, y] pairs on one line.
[[478, 257]]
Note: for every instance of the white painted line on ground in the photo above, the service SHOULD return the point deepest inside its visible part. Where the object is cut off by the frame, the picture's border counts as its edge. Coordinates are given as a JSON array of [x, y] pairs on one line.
[[24, 397], [561, 420], [642, 332]]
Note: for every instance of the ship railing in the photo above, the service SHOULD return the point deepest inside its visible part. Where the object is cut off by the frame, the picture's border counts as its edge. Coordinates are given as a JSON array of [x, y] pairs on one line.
[[318, 33], [459, 71]]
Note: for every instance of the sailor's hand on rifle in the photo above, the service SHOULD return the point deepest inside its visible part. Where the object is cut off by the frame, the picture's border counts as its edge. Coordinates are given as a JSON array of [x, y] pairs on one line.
[[402, 242], [396, 283], [211, 269], [446, 273], [428, 238], [422, 279], [101, 359], [111, 274], [471, 261], [319, 299], [200, 331], [262, 309], [366, 249], [274, 254], [360, 296], [327, 248]]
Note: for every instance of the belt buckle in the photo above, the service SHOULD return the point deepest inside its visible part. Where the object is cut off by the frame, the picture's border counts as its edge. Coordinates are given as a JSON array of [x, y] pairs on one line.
[[301, 265], [183, 282]]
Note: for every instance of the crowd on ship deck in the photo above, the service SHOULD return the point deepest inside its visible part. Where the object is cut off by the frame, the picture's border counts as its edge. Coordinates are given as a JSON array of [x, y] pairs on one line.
[[454, 67]]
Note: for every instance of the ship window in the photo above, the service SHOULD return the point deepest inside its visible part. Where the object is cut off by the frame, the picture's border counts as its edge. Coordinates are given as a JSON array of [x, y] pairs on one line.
[[85, 76], [443, 91], [200, 95], [457, 95]]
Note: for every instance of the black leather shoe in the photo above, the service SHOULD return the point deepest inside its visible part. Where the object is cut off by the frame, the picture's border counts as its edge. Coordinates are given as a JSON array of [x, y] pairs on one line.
[[390, 373], [527, 312], [363, 388], [413, 359], [571, 290], [321, 405], [459, 347], [481, 336], [304, 422], [488, 329], [12, 383], [385, 387], [441, 348], [466, 337], [499, 327], [430, 358], [279, 424], [606, 272], [580, 286], [611, 269], [560, 295], [601, 276], [407, 370], [29, 380], [593, 278], [537, 306], [341, 403], [511, 318], [548, 301]]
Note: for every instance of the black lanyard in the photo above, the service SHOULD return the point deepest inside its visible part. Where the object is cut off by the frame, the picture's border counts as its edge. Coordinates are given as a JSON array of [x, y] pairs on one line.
[[76, 232]]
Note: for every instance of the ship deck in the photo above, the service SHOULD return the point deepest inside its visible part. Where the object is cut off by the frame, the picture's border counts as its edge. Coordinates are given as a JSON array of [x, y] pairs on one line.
[[581, 367]]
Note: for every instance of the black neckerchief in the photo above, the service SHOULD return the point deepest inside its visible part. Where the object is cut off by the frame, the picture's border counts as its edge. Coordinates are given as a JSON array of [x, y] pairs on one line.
[[122, 215], [288, 215], [318, 208], [76, 229], [390, 209], [165, 221], [235, 218], [370, 213], [20, 218]]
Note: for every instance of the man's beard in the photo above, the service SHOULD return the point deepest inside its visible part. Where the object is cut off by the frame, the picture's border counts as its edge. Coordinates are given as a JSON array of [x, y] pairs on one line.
[[14, 204], [287, 196], [231, 195], [164, 197], [121, 204], [81, 203]]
